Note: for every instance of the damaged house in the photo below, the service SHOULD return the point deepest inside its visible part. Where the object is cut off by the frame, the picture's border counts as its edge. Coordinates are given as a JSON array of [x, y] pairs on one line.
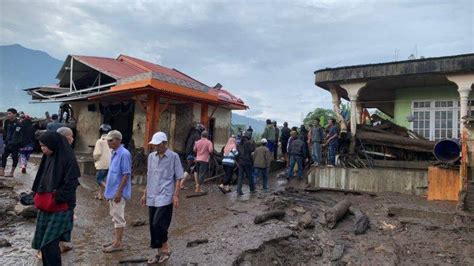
[[427, 100], [137, 98]]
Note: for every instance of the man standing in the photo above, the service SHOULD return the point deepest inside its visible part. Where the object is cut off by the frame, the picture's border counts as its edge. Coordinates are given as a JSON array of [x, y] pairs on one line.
[[316, 138], [250, 131], [101, 156], [269, 135], [284, 137], [161, 194], [12, 138], [203, 149], [332, 141], [277, 137], [55, 124], [261, 163], [298, 152], [118, 187], [245, 162]]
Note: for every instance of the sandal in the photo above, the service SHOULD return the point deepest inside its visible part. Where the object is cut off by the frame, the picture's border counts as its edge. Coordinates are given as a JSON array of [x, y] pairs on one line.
[[111, 249], [164, 256], [221, 187], [153, 260], [108, 244]]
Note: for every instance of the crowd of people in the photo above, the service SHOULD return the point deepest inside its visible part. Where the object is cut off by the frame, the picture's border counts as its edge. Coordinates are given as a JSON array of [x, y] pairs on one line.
[[58, 174]]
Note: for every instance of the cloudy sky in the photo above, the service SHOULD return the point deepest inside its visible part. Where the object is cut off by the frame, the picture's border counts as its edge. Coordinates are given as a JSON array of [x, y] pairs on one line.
[[263, 51]]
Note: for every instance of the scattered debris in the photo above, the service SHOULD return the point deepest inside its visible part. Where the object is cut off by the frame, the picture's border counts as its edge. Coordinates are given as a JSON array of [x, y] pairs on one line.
[[197, 194], [4, 243], [235, 211], [361, 223], [334, 214], [306, 221], [197, 242], [138, 222], [299, 209], [387, 226], [345, 191], [337, 252], [318, 251], [29, 212], [133, 260], [269, 215]]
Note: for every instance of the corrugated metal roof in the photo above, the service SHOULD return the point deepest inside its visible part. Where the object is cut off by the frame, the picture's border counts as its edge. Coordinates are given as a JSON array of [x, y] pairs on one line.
[[128, 71], [109, 66], [227, 97], [156, 68]]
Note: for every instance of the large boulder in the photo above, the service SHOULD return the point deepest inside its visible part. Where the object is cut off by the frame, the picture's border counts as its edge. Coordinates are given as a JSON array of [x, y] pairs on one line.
[[26, 211], [6, 204]]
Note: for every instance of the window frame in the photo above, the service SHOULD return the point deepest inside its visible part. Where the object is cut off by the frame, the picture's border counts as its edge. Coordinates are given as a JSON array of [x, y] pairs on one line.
[[455, 108]]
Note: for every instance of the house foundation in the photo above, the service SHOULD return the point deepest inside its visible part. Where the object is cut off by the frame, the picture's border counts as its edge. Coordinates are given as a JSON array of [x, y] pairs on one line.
[[406, 181]]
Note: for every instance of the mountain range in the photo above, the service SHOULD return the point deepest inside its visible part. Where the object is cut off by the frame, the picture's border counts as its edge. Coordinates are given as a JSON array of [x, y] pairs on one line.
[[22, 68]]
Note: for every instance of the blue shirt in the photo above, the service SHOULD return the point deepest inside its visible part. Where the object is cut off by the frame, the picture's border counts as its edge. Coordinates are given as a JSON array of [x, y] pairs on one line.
[[120, 165], [162, 175], [334, 130]]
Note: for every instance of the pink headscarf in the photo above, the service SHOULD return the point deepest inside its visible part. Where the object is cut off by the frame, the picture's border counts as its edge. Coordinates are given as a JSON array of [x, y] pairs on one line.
[[230, 145]]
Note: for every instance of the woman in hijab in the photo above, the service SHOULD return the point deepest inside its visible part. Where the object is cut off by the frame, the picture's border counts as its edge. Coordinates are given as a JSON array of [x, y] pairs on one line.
[[228, 162], [55, 196]]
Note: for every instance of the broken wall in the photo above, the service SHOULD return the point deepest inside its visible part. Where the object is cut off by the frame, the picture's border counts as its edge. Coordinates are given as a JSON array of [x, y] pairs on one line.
[[184, 122], [87, 125], [221, 127], [139, 126]]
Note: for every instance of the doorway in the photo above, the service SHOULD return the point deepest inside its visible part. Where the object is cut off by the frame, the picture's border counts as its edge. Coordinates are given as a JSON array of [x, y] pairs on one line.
[[120, 117]]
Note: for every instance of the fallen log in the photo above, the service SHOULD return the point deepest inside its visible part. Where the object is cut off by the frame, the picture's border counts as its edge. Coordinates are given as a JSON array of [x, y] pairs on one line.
[[361, 223], [197, 194], [197, 242], [334, 214], [345, 191], [393, 140], [269, 215]]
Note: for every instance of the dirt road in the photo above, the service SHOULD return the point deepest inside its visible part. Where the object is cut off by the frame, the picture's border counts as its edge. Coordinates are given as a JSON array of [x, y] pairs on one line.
[[226, 221]]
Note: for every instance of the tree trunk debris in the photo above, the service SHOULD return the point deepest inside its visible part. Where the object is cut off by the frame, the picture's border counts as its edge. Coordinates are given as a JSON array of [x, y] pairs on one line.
[[361, 223], [269, 215], [346, 191], [334, 214]]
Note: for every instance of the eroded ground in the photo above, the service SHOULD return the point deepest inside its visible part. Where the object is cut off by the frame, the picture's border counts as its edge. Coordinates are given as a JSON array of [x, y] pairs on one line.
[[226, 221]]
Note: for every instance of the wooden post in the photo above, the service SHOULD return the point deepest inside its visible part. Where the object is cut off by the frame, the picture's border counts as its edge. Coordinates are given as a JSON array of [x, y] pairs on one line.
[[204, 114], [150, 120]]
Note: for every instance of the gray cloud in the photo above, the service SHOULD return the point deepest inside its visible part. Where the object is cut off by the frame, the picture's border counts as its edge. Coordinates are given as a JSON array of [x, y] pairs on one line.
[[263, 51]]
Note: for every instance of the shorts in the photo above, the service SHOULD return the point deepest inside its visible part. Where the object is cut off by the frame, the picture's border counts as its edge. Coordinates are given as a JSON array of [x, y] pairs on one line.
[[101, 175]]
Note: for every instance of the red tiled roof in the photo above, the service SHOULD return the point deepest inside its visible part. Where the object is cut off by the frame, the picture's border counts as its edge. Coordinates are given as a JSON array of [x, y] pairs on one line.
[[115, 68]]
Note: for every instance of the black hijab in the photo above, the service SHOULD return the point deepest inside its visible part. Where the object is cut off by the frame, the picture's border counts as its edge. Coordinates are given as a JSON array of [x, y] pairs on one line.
[[58, 172]]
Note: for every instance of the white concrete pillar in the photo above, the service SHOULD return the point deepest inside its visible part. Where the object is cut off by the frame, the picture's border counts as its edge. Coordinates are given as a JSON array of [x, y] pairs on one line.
[[464, 83], [336, 103], [353, 93]]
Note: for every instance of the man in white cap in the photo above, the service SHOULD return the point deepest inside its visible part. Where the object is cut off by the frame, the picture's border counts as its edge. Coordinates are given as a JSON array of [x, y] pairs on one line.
[[161, 194], [118, 187]]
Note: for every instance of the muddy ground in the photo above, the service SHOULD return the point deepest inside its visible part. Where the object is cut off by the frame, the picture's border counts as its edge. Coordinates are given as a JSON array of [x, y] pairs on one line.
[[424, 235]]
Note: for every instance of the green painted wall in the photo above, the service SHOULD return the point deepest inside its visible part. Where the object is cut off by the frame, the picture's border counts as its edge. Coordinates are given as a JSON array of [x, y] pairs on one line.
[[405, 96]]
